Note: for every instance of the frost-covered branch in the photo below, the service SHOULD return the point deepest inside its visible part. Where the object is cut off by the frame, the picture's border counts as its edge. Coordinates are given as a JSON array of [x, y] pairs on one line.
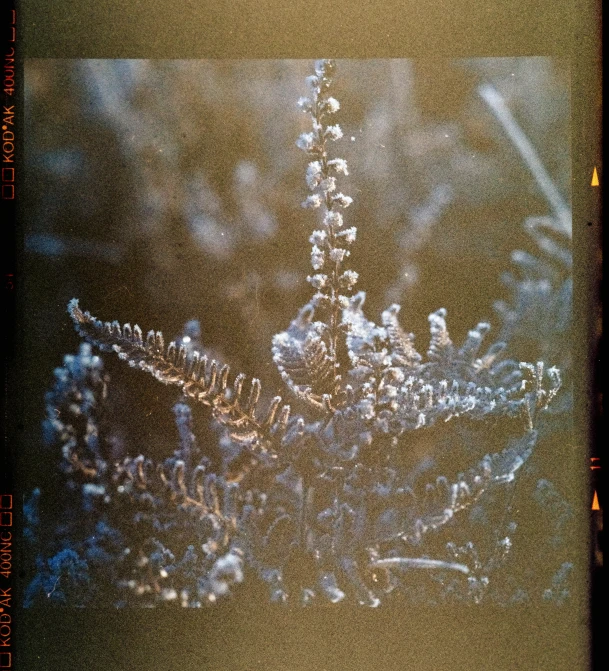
[[529, 155]]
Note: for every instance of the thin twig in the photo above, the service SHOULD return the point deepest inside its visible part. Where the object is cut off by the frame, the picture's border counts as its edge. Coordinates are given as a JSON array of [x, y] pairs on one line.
[[412, 562], [529, 155]]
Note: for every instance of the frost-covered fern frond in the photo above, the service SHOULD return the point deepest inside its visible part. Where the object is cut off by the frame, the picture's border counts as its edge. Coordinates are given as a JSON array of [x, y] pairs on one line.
[[204, 381], [393, 387]]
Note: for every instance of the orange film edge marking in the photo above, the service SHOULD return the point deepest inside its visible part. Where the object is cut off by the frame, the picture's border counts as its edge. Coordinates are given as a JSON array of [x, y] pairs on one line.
[[595, 504]]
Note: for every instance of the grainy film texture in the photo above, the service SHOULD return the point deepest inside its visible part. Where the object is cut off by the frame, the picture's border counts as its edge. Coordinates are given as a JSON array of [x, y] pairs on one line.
[[361, 393]]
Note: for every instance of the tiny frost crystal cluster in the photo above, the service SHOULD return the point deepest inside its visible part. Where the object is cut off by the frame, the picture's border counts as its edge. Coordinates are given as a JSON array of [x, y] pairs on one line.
[[321, 495]]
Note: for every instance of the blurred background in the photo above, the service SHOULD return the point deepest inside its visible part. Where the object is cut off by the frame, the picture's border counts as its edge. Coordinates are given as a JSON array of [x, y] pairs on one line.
[[162, 192]]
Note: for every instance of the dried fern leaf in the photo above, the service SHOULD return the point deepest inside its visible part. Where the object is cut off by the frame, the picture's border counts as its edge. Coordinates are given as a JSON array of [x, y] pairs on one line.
[[202, 380]]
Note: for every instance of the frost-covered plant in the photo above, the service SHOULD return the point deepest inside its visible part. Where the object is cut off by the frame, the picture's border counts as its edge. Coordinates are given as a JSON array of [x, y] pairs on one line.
[[331, 498]]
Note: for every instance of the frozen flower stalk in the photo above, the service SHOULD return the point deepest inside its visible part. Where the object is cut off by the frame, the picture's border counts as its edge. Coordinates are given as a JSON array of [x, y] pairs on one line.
[[330, 244]]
